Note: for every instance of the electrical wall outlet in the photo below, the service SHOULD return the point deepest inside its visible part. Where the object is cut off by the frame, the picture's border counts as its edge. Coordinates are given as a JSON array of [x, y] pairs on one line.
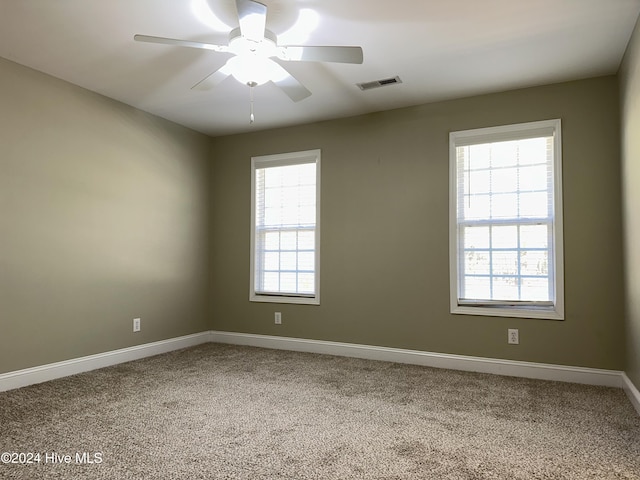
[[278, 318], [513, 337], [136, 324]]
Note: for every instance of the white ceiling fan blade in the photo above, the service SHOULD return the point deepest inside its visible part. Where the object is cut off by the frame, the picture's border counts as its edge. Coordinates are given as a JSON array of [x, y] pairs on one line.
[[288, 84], [180, 43], [253, 19], [321, 54], [293, 88], [213, 80]]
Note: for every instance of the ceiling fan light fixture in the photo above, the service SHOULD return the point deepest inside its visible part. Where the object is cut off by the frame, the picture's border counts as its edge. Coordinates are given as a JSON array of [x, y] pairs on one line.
[[240, 45], [253, 47], [253, 69]]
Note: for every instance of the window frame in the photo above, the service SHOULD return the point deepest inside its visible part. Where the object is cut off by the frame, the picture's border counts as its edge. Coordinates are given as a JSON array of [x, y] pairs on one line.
[[508, 308], [278, 160]]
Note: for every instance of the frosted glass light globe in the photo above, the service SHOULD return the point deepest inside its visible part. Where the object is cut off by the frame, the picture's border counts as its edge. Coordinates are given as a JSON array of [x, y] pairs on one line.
[[254, 69]]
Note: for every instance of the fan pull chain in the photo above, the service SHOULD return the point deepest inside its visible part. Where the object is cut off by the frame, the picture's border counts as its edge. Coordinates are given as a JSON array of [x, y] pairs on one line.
[[252, 118]]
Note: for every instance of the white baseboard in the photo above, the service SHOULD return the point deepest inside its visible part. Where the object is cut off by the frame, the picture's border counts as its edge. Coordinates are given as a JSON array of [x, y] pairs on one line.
[[44, 373], [541, 371], [589, 376], [632, 392]]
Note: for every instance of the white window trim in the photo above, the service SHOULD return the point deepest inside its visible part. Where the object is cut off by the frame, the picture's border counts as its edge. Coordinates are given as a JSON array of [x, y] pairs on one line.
[[556, 312], [282, 159]]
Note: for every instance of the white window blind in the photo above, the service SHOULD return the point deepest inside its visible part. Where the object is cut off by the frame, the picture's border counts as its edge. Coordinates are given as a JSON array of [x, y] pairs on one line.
[[506, 221], [285, 231]]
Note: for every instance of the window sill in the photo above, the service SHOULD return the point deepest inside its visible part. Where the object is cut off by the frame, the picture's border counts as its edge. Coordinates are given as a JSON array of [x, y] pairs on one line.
[[284, 299], [546, 314]]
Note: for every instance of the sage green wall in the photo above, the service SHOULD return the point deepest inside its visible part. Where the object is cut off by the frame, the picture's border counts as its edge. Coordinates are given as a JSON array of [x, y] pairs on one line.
[[384, 251], [104, 216], [107, 213], [630, 101]]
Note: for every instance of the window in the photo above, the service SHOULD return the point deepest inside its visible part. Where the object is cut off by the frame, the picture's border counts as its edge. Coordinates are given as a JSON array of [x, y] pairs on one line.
[[285, 230], [506, 221]]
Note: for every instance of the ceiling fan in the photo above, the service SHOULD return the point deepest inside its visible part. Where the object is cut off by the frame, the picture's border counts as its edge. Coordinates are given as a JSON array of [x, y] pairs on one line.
[[254, 47]]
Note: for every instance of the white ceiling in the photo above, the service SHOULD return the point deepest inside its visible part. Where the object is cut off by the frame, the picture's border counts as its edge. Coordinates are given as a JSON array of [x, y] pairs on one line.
[[440, 49]]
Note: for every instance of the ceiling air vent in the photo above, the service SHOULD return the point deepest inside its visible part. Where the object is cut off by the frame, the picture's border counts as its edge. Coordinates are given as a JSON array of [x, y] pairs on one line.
[[379, 83]]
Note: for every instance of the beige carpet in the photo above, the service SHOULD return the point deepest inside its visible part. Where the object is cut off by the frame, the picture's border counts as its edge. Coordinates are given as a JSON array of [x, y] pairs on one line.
[[228, 412]]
